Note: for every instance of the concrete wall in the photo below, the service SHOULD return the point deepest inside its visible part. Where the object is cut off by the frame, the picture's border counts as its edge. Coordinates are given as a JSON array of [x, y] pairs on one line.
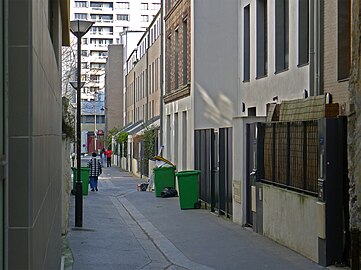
[[114, 88], [214, 67], [34, 184], [185, 157], [354, 130], [286, 85], [280, 223], [240, 166], [66, 185]]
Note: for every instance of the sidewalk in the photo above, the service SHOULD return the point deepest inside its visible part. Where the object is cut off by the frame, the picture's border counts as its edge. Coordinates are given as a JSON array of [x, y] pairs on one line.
[[127, 229]]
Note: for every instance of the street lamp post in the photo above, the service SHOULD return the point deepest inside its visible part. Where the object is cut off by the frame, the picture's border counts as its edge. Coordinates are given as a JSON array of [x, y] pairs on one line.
[[95, 125], [79, 29]]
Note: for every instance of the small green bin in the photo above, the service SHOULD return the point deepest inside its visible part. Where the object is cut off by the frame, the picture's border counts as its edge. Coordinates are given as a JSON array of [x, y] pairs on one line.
[[163, 177], [188, 189], [84, 177]]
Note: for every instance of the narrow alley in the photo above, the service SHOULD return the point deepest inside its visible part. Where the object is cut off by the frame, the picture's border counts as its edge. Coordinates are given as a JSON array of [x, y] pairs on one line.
[[127, 229]]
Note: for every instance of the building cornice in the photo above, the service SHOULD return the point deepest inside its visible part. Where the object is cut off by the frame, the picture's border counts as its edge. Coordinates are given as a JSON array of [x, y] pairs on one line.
[[182, 92]]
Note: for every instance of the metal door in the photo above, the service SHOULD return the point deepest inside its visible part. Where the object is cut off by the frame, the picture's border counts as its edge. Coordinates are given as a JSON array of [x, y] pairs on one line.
[[2, 137], [204, 161], [250, 168], [225, 171]]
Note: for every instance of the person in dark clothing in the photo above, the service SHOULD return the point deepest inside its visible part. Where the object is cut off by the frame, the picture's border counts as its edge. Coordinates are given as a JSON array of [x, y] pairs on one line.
[[95, 170]]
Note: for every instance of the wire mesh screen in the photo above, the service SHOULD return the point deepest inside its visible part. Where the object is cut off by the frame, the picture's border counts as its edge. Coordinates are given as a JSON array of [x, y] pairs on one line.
[[312, 156], [296, 154], [294, 146], [268, 138], [281, 153]]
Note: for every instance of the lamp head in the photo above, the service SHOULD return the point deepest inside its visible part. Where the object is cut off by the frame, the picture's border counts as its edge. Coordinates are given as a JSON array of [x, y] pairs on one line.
[[79, 27]]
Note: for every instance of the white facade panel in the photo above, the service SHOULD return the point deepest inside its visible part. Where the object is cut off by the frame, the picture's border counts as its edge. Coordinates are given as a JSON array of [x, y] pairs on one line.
[[214, 63], [286, 85]]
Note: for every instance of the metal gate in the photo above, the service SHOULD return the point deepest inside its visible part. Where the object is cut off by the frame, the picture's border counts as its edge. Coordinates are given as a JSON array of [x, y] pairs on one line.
[[204, 161], [213, 157], [224, 190]]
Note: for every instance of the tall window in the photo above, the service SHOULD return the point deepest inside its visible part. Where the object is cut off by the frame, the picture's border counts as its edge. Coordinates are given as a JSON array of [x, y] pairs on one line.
[[303, 31], [176, 60], [343, 37], [184, 140], [246, 44], [281, 35], [176, 138], [185, 52], [144, 6], [169, 134], [145, 18], [261, 38], [169, 43]]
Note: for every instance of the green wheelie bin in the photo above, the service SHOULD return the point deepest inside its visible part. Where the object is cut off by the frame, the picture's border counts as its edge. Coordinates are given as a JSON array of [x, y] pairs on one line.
[[163, 177], [188, 189], [84, 177]]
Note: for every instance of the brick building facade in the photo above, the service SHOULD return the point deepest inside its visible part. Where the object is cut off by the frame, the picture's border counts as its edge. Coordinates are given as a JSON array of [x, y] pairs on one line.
[[177, 49]]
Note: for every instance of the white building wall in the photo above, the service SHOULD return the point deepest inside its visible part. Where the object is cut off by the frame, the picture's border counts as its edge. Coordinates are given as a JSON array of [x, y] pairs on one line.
[[286, 85], [214, 62], [185, 137]]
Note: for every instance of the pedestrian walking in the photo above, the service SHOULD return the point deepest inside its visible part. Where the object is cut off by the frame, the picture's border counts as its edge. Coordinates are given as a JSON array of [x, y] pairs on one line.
[[95, 171], [103, 156], [109, 153]]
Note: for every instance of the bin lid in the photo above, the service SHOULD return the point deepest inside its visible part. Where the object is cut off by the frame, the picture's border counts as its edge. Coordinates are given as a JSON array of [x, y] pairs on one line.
[[164, 160], [187, 173], [164, 168], [81, 168]]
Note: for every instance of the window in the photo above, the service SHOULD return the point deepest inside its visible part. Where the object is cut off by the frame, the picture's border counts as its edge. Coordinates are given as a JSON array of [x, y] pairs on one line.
[[84, 65], [185, 52], [81, 16], [168, 55], [123, 5], [84, 53], [123, 17], [281, 35], [343, 37], [169, 5], [184, 140], [246, 44], [84, 41], [144, 6], [168, 145], [176, 138], [80, 4], [95, 78], [145, 18], [303, 32], [261, 38], [155, 6], [176, 60]]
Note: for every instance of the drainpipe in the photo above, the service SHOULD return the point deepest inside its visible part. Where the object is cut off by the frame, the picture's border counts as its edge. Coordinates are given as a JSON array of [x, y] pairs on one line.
[[161, 74], [312, 49], [319, 30]]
